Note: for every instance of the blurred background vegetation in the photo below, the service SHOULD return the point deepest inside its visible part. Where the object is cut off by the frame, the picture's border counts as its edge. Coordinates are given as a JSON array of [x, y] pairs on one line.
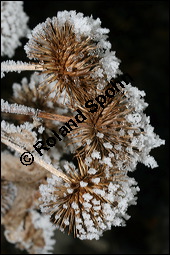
[[139, 35]]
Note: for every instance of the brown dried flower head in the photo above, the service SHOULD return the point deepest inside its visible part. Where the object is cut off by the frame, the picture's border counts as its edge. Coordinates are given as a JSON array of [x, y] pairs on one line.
[[106, 129], [27, 94], [85, 205], [66, 60]]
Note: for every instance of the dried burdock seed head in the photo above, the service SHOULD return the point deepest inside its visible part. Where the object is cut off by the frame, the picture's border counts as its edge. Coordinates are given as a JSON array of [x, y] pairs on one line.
[[73, 53], [105, 129], [27, 94], [120, 133], [65, 60], [8, 194], [90, 203]]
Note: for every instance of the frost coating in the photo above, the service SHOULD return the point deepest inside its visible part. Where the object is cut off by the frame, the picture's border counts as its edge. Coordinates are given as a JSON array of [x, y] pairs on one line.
[[10, 108], [11, 128], [147, 139], [13, 26]]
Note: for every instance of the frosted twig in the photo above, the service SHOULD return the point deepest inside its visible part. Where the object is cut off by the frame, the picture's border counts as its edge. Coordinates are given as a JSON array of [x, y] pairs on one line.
[[39, 161], [22, 109], [12, 66], [16, 108]]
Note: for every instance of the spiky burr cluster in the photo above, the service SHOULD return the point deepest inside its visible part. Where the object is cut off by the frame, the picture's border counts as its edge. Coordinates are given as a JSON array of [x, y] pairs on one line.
[[92, 192], [67, 61], [107, 129], [72, 58], [90, 202]]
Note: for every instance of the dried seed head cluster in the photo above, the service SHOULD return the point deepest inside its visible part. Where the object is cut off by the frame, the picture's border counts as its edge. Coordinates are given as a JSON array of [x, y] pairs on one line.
[[70, 56], [90, 203], [93, 194]]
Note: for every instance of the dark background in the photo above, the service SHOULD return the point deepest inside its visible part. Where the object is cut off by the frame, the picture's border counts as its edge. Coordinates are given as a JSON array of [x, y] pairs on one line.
[[139, 35]]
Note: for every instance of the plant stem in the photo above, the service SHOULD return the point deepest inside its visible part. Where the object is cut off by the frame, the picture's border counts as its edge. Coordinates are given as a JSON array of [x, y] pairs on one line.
[[53, 116], [24, 110], [11, 66], [37, 160]]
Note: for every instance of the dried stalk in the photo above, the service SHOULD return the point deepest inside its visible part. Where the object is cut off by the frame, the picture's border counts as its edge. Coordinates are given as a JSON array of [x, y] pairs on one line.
[[24, 110], [42, 163], [12, 66]]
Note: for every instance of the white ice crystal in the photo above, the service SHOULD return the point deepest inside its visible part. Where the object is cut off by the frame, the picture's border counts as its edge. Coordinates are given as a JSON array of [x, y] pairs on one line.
[[83, 184], [107, 161], [92, 171], [95, 154], [11, 128], [107, 145], [13, 26], [100, 135]]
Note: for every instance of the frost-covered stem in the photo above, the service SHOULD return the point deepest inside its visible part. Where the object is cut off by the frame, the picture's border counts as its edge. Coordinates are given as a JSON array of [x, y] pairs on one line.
[[39, 161], [12, 66], [21, 109], [16, 108], [53, 116]]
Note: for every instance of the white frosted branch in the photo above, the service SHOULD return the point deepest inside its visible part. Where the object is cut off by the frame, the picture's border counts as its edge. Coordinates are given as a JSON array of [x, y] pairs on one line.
[[22, 109], [16, 108], [12, 66]]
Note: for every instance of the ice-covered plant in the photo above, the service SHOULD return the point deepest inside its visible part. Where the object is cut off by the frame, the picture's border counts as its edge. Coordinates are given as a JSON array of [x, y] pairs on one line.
[[13, 26], [91, 192]]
